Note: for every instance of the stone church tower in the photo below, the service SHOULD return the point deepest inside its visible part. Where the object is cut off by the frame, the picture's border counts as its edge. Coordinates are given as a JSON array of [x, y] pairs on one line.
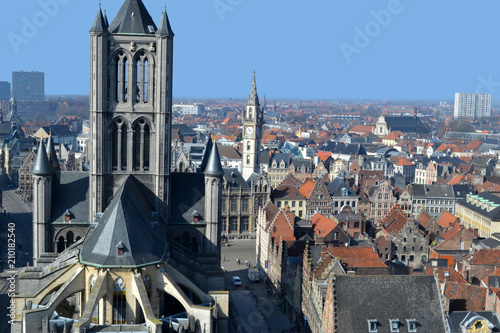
[[253, 120], [130, 104], [112, 246]]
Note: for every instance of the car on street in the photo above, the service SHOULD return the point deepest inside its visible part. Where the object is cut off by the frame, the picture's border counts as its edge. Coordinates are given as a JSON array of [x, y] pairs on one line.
[[236, 281]]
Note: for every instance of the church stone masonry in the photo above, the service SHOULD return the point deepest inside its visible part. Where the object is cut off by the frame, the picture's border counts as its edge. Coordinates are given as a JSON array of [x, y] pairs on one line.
[[112, 247]]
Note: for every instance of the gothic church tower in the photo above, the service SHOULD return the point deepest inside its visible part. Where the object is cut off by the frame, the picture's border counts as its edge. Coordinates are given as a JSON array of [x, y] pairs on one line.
[[253, 120], [130, 105]]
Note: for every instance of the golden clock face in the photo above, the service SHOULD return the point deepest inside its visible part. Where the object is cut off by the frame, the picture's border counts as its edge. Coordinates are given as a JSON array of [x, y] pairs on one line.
[[249, 130]]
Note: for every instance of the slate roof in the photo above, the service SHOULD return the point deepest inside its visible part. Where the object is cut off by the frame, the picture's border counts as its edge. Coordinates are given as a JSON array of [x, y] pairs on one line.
[[164, 27], [132, 18], [214, 166], [278, 157], [233, 177], [387, 297], [71, 191], [100, 25], [493, 214], [189, 195], [127, 219], [59, 130], [405, 124], [41, 166], [335, 188], [432, 191]]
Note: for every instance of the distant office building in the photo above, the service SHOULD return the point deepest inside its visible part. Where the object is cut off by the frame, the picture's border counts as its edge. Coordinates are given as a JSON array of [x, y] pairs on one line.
[[475, 106], [4, 91], [184, 109], [28, 86]]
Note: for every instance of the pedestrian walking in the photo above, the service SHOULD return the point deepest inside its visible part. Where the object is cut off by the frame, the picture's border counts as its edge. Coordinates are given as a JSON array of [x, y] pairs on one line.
[[238, 260], [246, 263], [224, 258]]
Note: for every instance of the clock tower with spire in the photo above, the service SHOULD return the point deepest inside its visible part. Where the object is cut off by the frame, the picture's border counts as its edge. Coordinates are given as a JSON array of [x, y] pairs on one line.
[[253, 120]]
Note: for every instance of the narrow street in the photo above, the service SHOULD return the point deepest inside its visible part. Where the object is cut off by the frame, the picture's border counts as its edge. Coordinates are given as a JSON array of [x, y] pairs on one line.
[[20, 214], [256, 310]]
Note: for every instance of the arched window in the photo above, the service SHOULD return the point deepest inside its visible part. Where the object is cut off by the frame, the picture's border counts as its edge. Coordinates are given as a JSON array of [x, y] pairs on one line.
[[61, 244], [69, 239], [95, 313], [121, 78], [249, 146], [248, 160], [119, 145], [119, 302], [185, 240], [142, 77], [142, 140], [194, 245]]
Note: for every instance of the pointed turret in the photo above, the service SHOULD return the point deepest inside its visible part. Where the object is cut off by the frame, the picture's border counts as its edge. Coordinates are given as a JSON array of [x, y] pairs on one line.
[[253, 99], [214, 166], [100, 23], [41, 167], [51, 154], [164, 28], [206, 155], [133, 18], [106, 19]]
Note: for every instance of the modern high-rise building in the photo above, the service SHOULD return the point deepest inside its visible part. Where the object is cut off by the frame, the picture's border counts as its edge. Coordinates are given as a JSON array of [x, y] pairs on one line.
[[4, 91], [28, 86], [468, 105]]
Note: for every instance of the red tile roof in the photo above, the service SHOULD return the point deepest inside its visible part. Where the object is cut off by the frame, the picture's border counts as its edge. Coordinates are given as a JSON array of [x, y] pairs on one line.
[[484, 257], [446, 273], [424, 219], [394, 221], [447, 219], [405, 162], [307, 187], [474, 296], [357, 256], [322, 225]]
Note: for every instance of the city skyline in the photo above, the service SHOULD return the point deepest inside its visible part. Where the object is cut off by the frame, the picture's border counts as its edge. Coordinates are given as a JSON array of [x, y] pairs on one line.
[[385, 50]]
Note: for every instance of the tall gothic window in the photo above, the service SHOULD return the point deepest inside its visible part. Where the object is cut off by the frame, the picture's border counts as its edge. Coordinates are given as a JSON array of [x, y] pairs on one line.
[[142, 70], [142, 140], [119, 302], [119, 145], [121, 75]]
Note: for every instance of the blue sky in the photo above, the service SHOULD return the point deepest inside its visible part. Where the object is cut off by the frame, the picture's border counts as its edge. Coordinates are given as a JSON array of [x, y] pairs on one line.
[[319, 49]]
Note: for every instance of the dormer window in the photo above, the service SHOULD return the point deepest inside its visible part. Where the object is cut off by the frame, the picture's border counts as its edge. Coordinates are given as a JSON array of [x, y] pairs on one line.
[[196, 217], [394, 325], [67, 216], [372, 326], [120, 248], [412, 325]]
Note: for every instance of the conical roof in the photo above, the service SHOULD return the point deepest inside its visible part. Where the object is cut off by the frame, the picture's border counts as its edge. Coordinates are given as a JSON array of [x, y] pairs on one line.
[[41, 167], [126, 222], [214, 166], [164, 27], [100, 23], [51, 154], [253, 99], [133, 18], [206, 154]]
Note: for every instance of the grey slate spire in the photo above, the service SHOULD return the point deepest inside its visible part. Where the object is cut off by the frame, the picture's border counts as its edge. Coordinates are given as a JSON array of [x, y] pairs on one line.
[[206, 155], [253, 99], [214, 166], [100, 23], [41, 167], [51, 154], [133, 18], [164, 27], [106, 19]]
